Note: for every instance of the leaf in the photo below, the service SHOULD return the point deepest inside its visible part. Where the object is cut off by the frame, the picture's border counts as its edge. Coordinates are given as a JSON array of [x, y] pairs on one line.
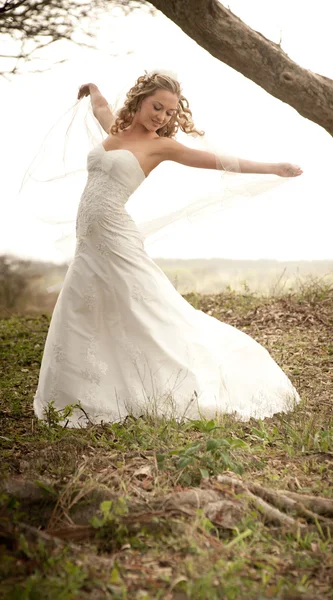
[[105, 508], [115, 577], [226, 459], [238, 443], [239, 538], [204, 426], [184, 461], [160, 459], [96, 522], [193, 449], [46, 487], [204, 473], [212, 445], [260, 433]]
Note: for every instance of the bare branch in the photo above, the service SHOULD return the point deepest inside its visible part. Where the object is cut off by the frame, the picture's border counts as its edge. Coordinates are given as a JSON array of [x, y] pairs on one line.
[[36, 24], [10, 6]]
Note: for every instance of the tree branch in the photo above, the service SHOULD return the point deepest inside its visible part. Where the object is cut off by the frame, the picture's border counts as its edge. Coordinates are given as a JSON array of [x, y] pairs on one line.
[[30, 22], [228, 39]]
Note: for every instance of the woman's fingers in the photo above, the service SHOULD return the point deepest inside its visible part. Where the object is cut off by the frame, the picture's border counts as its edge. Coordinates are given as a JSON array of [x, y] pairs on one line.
[[83, 91], [295, 170], [289, 170]]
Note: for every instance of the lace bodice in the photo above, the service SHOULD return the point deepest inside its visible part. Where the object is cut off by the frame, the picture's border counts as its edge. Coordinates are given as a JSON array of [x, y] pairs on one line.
[[113, 176]]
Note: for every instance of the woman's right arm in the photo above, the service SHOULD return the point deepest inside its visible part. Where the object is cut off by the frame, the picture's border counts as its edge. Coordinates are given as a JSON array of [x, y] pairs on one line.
[[99, 105]]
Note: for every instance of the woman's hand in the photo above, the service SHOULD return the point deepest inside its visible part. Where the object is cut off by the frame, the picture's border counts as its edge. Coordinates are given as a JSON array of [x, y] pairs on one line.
[[287, 170], [84, 90]]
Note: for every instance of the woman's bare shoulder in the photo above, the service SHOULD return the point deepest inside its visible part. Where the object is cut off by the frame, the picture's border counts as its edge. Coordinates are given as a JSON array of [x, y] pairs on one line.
[[170, 149], [162, 145]]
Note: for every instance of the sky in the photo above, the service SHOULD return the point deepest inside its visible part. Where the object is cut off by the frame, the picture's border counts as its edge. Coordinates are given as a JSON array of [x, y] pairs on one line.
[[291, 223]]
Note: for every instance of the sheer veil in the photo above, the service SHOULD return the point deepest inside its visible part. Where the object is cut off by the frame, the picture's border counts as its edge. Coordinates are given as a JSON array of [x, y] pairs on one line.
[[56, 177]]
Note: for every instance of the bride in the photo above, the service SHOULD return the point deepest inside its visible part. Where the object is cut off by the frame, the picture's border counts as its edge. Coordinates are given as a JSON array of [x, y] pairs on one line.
[[122, 340]]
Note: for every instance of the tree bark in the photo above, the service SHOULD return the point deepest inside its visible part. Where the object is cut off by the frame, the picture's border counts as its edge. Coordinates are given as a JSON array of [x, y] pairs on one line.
[[228, 39]]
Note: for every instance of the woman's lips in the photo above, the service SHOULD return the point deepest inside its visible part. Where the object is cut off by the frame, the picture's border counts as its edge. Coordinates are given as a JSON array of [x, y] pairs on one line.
[[156, 124]]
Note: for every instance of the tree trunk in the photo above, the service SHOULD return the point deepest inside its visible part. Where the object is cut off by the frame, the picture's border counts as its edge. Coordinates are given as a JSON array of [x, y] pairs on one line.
[[226, 37]]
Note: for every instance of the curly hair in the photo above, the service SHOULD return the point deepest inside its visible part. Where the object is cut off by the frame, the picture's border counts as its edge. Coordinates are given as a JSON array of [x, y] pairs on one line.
[[146, 85]]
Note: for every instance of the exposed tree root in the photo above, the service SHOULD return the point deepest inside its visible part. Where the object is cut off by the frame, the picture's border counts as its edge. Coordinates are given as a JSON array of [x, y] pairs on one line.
[[274, 502], [223, 500], [271, 513], [321, 506]]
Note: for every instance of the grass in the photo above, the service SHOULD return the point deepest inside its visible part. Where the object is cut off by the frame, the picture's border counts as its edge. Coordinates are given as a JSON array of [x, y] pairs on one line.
[[100, 514]]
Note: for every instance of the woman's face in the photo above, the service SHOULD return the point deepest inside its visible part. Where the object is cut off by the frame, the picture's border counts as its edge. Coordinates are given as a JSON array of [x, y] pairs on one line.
[[157, 110]]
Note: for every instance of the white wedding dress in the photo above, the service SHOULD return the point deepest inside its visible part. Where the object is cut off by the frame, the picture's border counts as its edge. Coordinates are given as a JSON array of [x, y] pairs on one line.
[[123, 341]]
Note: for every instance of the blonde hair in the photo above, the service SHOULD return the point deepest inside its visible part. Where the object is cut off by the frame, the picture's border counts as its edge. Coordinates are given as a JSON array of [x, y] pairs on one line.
[[147, 85]]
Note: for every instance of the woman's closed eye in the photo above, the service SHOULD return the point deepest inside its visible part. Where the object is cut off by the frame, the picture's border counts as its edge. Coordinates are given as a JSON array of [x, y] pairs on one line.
[[158, 109]]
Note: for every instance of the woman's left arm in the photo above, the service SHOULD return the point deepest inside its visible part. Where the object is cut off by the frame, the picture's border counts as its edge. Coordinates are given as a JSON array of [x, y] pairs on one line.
[[169, 149]]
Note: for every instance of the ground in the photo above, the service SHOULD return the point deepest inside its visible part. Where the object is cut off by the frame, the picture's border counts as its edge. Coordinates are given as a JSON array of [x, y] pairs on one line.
[[150, 509]]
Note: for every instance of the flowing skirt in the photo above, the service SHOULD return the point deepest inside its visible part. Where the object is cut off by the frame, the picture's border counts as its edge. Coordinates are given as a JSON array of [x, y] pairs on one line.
[[123, 341]]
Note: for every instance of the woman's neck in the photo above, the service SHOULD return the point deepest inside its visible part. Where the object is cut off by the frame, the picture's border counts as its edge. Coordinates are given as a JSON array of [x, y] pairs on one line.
[[138, 131]]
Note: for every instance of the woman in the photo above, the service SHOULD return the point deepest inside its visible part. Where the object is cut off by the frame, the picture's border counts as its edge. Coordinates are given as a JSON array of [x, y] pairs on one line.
[[122, 340]]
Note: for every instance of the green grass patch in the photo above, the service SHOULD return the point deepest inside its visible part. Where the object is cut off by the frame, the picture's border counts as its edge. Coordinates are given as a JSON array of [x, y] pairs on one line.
[[128, 544]]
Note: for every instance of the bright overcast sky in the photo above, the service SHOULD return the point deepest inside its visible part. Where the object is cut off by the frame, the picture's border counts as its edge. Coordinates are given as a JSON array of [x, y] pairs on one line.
[[241, 118]]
